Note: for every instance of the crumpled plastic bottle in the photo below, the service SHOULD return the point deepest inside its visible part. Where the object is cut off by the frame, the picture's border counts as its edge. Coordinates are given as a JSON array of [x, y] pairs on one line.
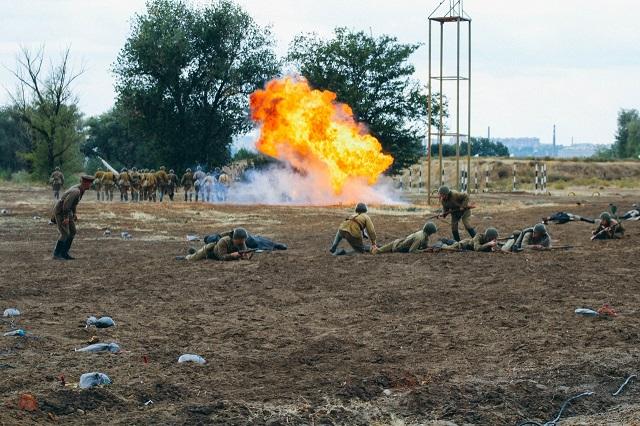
[[18, 332], [11, 312], [101, 347], [192, 358], [89, 380], [585, 312], [103, 322]]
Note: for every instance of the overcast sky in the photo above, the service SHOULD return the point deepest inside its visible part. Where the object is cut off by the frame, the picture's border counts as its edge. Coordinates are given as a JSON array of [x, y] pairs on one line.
[[574, 63]]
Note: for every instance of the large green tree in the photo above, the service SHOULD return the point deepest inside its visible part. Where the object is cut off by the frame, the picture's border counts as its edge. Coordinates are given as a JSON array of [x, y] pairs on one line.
[[374, 77], [14, 141], [627, 142], [45, 103], [185, 75]]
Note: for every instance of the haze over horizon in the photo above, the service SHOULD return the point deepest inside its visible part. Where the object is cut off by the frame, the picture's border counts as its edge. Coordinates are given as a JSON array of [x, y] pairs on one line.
[[534, 64]]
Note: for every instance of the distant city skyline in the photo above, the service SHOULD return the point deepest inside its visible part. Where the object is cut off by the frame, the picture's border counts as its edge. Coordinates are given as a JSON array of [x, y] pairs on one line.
[[535, 64]]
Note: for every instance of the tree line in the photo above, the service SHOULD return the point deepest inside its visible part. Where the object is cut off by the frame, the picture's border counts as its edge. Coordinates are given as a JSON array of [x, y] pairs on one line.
[[183, 79]]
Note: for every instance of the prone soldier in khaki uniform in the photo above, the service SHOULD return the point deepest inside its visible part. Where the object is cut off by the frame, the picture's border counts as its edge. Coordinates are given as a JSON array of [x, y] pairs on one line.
[[136, 181], [187, 184], [457, 204], [227, 248], [97, 183], [353, 230], [411, 243], [57, 182], [108, 182], [172, 183], [487, 241], [124, 183], [162, 179], [608, 228], [64, 216]]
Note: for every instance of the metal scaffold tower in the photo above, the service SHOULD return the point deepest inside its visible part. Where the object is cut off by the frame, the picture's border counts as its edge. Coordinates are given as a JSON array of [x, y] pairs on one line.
[[446, 14]]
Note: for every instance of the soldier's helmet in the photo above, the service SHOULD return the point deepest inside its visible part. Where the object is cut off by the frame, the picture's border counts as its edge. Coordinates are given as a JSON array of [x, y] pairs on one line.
[[444, 190], [124, 169], [133, 169], [540, 229], [188, 170], [361, 208], [57, 169], [171, 171], [430, 228], [199, 168], [217, 169], [605, 217], [490, 234], [161, 167], [240, 234], [152, 171]]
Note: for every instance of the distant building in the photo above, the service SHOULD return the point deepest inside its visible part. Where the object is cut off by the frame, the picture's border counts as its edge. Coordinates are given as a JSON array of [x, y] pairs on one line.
[[531, 147]]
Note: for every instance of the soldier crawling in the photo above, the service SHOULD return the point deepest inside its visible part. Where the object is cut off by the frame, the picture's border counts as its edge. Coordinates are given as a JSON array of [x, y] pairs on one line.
[[226, 248], [487, 241], [412, 243], [354, 229], [536, 238], [608, 228]]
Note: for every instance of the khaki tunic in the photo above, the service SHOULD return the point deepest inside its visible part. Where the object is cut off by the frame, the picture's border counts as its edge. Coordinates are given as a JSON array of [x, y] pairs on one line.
[[187, 181], [471, 244], [220, 250], [529, 240], [56, 179], [356, 224], [409, 244], [65, 208]]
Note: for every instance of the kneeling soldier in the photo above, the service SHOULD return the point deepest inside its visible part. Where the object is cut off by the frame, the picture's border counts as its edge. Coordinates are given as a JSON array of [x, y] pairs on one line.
[[411, 243], [353, 230]]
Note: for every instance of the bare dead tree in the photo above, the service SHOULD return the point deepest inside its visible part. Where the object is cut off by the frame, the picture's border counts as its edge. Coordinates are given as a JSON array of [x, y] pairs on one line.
[[43, 99]]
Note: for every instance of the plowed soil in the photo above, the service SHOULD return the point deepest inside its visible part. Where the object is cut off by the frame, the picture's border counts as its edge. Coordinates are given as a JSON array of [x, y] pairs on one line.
[[303, 337]]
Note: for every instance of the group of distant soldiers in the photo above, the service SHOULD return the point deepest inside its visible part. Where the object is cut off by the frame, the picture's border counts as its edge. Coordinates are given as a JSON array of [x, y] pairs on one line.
[[151, 185]]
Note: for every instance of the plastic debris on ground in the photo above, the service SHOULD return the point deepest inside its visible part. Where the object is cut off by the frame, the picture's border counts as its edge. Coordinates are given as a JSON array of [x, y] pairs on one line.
[[11, 312], [101, 347], [586, 312], [193, 238], [107, 233], [19, 333], [607, 311], [192, 358], [89, 380], [102, 322], [126, 236]]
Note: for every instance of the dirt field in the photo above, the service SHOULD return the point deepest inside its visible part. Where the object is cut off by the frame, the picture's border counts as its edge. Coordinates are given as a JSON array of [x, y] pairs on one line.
[[302, 337]]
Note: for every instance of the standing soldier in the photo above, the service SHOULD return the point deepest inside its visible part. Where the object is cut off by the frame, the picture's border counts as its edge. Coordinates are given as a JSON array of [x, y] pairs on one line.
[[57, 181], [108, 181], [161, 182], [187, 184], [172, 183], [198, 177], [152, 184], [135, 184], [224, 182], [457, 204], [64, 216], [353, 230], [412, 243], [124, 183], [97, 183], [608, 228]]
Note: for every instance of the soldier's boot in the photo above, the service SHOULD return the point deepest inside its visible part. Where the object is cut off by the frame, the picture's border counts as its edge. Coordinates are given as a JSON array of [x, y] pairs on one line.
[[336, 241], [98, 195], [171, 197], [126, 197], [190, 197], [196, 197], [185, 197], [111, 196], [472, 232], [57, 255], [67, 246], [121, 197], [456, 234]]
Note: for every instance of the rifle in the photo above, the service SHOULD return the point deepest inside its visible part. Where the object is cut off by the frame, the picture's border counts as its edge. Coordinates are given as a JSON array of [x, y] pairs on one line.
[[247, 254], [450, 211], [550, 248], [607, 229]]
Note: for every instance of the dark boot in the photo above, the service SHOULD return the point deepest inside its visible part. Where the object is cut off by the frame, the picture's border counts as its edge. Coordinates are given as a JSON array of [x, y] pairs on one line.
[[66, 247], [185, 197], [57, 255], [471, 232], [336, 241], [456, 234]]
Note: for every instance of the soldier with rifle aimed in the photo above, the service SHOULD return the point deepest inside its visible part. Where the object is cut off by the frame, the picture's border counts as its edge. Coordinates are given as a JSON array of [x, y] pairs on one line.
[[608, 228]]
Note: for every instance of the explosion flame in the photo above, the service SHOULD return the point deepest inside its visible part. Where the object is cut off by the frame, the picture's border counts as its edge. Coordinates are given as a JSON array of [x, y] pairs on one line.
[[317, 136]]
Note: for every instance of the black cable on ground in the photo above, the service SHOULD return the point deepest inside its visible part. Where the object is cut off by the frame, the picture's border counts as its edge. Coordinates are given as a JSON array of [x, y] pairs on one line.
[[554, 422]]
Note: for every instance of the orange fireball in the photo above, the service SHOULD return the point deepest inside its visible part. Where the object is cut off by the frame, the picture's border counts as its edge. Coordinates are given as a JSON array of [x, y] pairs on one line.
[[316, 134]]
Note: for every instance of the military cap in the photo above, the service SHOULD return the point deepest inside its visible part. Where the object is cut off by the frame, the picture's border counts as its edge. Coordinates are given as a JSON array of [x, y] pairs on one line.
[[361, 208], [240, 234]]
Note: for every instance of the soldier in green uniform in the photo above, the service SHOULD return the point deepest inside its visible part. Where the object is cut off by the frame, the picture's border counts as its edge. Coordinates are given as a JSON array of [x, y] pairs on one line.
[[536, 238], [97, 183], [64, 216], [487, 241], [57, 182], [227, 248], [172, 183], [412, 243], [124, 183], [457, 204], [162, 179], [353, 230], [187, 184], [608, 228], [136, 181], [108, 182]]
